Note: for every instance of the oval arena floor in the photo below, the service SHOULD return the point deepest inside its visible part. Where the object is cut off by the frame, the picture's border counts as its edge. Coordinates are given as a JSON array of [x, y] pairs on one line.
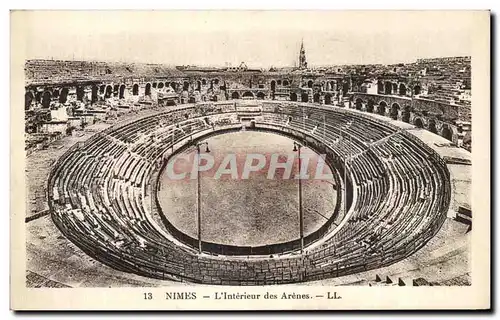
[[100, 197]]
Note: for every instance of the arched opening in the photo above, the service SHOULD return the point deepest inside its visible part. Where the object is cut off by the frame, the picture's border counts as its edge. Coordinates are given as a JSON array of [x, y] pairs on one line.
[[174, 86], [109, 91], [328, 99], [381, 108], [93, 96], [80, 93], [388, 87], [147, 91], [214, 98], [167, 84], [261, 95], [185, 86], [235, 95], [198, 85], [418, 123], [28, 98], [273, 85], [38, 96], [345, 88], [248, 94], [395, 111], [358, 104], [402, 89], [316, 98], [279, 82], [447, 133], [55, 94], [102, 88], [122, 91], [46, 99], [380, 87], [135, 90], [286, 83], [192, 100], [431, 126], [160, 85], [395, 88], [116, 88], [64, 95], [369, 105], [155, 85], [304, 97], [204, 82], [293, 96], [405, 116], [416, 90], [310, 84], [216, 81]]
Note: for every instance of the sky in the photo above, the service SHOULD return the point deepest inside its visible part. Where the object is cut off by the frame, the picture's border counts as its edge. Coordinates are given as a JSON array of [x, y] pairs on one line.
[[259, 38]]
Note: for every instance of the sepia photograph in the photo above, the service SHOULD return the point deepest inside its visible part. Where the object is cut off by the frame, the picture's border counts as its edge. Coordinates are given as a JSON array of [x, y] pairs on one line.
[[250, 159]]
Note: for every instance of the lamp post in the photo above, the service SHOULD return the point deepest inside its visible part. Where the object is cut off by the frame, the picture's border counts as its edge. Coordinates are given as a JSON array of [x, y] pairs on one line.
[[296, 148], [198, 192]]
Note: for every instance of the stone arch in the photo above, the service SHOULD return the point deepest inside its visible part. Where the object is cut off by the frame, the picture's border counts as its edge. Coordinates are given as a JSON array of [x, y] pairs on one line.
[[28, 99], [310, 84], [405, 116], [380, 87], [388, 87], [248, 94], [286, 83], [402, 89], [46, 97], [418, 123], [279, 82], [316, 98], [185, 86], [160, 85], [155, 85], [173, 85], [431, 126], [328, 99], [63, 97], [198, 85], [261, 95], [167, 84], [80, 93], [38, 96], [358, 104], [93, 95], [293, 96], [204, 81], [147, 91], [273, 85], [395, 111], [116, 90], [416, 90], [55, 94], [394, 88], [216, 81], [122, 92], [381, 108], [109, 91], [135, 90], [304, 97], [369, 105], [102, 88], [192, 100], [235, 95], [446, 132]]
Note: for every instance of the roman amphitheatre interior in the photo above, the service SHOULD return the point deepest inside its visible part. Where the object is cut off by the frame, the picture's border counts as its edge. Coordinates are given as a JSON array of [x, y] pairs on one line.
[[101, 211]]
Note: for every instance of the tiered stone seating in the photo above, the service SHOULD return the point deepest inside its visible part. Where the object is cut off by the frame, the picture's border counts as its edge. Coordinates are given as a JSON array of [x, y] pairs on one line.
[[398, 198]]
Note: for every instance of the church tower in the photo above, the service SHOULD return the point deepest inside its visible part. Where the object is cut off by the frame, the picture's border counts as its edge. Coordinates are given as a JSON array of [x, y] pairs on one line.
[[302, 57]]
